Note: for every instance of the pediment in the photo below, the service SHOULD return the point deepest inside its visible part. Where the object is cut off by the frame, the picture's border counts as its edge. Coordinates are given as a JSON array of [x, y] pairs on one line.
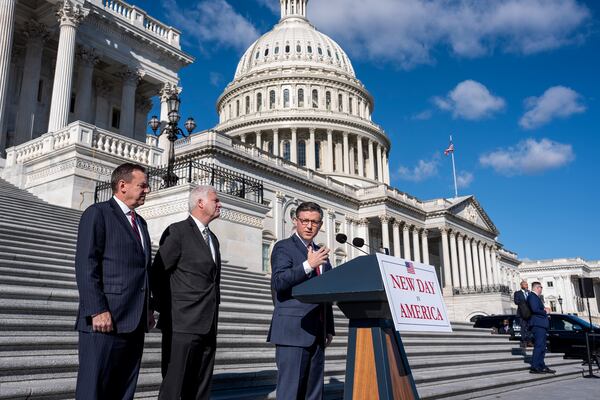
[[471, 211]]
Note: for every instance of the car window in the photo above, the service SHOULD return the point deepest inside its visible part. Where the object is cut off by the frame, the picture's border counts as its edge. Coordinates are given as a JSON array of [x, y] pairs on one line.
[[559, 324]]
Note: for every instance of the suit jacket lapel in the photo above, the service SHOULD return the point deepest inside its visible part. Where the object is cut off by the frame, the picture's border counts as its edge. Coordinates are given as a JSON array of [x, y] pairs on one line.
[[200, 238], [125, 223]]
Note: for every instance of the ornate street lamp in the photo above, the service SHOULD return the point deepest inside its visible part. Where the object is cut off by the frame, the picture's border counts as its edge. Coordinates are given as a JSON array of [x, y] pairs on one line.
[[172, 131], [560, 300]]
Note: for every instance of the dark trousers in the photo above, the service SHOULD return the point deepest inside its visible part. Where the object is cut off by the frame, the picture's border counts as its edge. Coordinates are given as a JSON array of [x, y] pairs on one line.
[[539, 347], [300, 372], [525, 334], [190, 367], [109, 365]]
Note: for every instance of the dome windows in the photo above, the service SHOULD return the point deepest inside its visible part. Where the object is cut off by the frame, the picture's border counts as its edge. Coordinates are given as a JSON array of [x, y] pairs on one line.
[[315, 98], [328, 53], [247, 105], [287, 49], [286, 98], [302, 153], [328, 100], [276, 50], [320, 50], [350, 103], [300, 97], [271, 99], [340, 102], [286, 150], [309, 49], [258, 102], [266, 51], [257, 55], [298, 48], [237, 108]]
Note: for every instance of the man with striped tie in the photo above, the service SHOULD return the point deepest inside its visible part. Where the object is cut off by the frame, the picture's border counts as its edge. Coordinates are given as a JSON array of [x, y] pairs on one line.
[[111, 266], [185, 279]]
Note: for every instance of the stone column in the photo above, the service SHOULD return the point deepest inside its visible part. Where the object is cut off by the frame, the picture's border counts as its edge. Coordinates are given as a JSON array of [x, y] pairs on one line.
[[469, 256], [7, 26], [83, 102], [386, 169], [294, 146], [482, 266], [276, 142], [350, 234], [415, 241], [488, 265], [329, 150], [359, 154], [130, 79], [425, 246], [406, 241], [475, 256], [243, 137], [385, 230], [446, 260], [330, 227], [454, 260], [36, 34], [500, 280], [310, 151], [70, 16], [278, 217], [461, 260], [364, 231], [346, 153], [352, 170], [258, 139], [379, 164], [371, 161], [396, 236]]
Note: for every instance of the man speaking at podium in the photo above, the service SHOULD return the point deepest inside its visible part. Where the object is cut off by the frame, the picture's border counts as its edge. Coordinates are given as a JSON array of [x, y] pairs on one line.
[[300, 331]]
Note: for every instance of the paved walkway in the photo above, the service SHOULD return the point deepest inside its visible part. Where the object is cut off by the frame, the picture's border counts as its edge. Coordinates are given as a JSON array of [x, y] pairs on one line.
[[577, 389]]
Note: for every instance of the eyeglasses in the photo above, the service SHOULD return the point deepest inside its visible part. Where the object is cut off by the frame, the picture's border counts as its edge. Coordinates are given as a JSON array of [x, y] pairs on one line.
[[305, 222]]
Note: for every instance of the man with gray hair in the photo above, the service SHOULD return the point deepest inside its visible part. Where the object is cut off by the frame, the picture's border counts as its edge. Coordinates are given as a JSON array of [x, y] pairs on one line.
[[185, 278]]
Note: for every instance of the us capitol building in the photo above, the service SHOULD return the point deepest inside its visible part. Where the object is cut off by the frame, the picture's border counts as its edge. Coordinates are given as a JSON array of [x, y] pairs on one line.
[[77, 79]]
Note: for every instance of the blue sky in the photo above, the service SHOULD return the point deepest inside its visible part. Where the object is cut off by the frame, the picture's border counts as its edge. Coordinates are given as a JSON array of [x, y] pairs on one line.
[[515, 82]]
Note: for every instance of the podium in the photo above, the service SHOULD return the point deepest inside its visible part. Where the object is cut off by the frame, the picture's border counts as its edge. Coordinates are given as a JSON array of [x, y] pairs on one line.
[[376, 365]]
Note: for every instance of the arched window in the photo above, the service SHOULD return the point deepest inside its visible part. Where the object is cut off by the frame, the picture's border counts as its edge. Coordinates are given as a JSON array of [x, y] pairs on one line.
[[247, 104], [350, 104], [257, 54], [340, 102], [270, 147], [266, 51], [328, 100], [272, 99], [360, 107], [309, 49], [315, 98], [286, 150], [286, 98], [237, 108], [258, 102], [229, 112], [320, 50], [328, 52], [298, 48], [317, 155], [276, 49], [300, 97], [287, 48], [302, 153]]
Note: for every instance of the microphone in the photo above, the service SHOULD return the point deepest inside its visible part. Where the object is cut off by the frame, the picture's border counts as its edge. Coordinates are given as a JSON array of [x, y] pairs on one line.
[[360, 242], [341, 238]]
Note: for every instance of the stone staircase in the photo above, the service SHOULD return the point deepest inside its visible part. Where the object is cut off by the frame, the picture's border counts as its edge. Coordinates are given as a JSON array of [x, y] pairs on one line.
[[38, 347]]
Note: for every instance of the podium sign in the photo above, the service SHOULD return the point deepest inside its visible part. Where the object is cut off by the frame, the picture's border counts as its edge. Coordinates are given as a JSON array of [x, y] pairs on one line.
[[414, 295]]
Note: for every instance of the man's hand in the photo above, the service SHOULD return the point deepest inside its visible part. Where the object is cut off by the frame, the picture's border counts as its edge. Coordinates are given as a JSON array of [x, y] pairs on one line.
[[151, 320], [102, 322], [316, 258], [547, 309], [328, 340]]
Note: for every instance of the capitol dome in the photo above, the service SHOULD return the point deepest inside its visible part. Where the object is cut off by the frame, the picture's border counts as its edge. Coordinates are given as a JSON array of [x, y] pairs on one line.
[[295, 95]]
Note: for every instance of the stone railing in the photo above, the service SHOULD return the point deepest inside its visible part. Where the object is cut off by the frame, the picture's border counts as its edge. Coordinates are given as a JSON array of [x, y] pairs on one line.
[[138, 17], [86, 135], [483, 289]]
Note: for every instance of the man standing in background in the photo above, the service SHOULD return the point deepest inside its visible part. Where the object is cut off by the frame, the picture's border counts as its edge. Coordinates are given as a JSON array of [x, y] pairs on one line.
[[539, 325], [111, 267], [185, 277], [520, 299]]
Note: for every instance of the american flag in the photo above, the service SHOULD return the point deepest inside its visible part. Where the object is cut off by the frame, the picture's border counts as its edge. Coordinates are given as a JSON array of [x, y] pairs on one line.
[[410, 268], [450, 149]]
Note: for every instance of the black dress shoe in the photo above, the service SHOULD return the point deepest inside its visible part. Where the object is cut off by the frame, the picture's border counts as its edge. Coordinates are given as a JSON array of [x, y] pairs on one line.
[[548, 371], [535, 371]]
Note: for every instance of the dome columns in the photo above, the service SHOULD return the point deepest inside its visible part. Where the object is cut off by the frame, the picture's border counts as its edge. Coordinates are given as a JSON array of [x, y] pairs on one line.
[[293, 8]]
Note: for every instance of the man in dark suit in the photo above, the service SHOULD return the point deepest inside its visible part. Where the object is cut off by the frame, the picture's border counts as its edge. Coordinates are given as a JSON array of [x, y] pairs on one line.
[[520, 297], [300, 331], [185, 281], [111, 266], [539, 325]]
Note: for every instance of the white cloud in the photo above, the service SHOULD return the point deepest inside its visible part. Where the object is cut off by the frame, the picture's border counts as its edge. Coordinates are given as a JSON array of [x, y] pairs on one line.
[[556, 102], [409, 32], [215, 78], [529, 157], [422, 116], [423, 170], [470, 100], [272, 5], [211, 23], [464, 179]]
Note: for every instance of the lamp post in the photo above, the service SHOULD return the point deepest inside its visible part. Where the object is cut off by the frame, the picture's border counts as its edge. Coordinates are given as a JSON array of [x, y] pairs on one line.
[[172, 131], [560, 300]]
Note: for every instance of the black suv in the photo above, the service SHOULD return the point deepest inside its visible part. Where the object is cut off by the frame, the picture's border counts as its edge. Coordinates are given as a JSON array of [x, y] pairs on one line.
[[566, 334]]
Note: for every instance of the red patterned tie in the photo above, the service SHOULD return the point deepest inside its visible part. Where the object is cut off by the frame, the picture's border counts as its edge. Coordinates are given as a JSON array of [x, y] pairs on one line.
[[134, 226]]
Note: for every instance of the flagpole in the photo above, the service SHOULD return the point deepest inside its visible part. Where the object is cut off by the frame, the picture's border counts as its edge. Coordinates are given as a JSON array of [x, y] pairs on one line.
[[454, 172]]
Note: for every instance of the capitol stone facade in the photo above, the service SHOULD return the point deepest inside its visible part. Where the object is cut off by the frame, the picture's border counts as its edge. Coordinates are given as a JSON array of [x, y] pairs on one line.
[[76, 90]]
